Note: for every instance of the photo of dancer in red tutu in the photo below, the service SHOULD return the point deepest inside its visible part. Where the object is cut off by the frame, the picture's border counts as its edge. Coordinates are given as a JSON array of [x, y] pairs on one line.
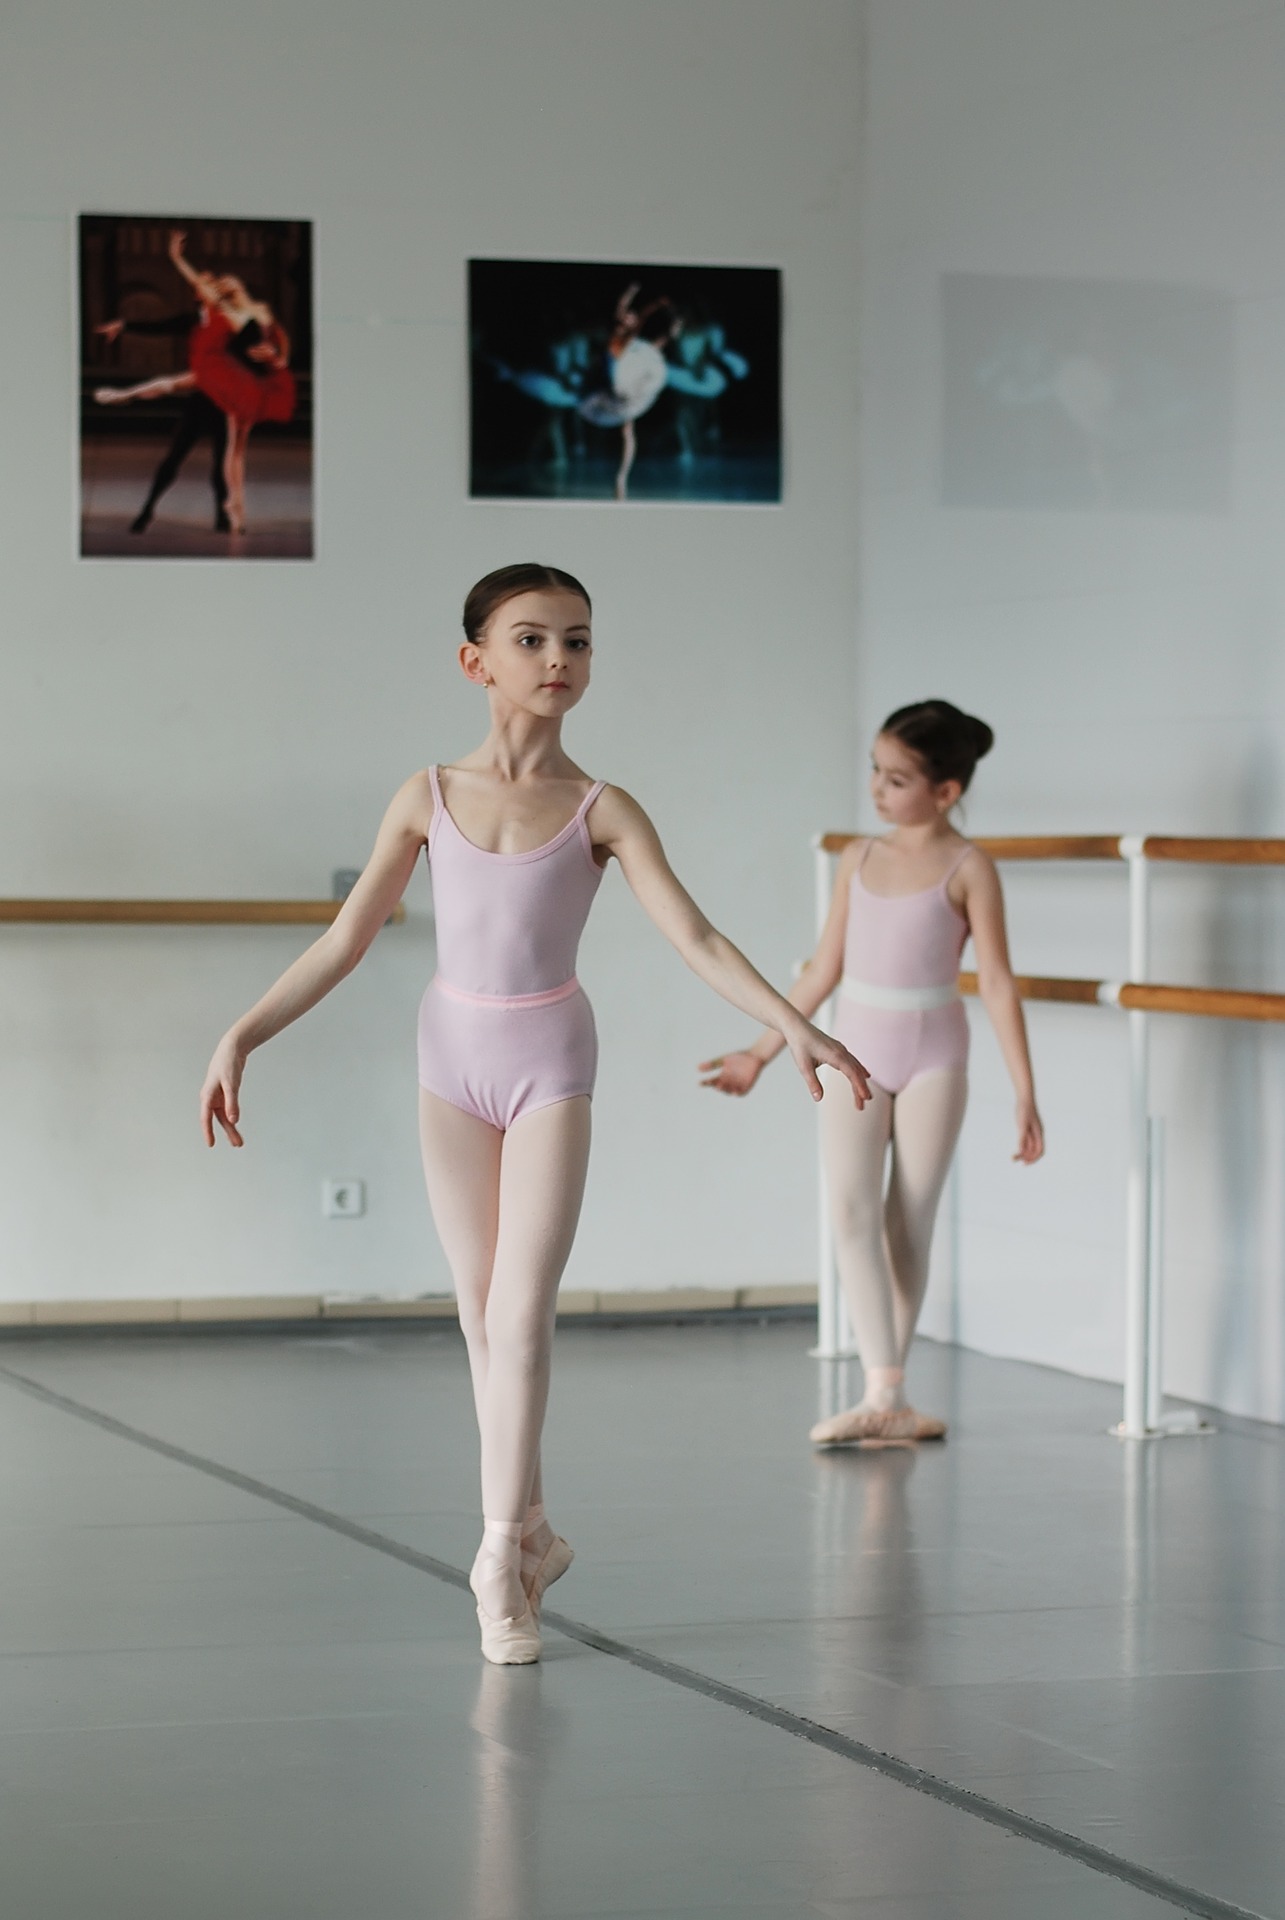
[[238, 356], [238, 376]]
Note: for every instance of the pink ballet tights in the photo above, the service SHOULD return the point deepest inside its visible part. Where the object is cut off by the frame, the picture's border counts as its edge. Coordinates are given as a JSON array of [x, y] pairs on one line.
[[883, 1227], [506, 1207]]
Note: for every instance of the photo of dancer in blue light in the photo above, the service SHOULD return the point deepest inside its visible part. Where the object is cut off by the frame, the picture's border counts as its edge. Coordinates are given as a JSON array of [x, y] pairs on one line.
[[587, 388]]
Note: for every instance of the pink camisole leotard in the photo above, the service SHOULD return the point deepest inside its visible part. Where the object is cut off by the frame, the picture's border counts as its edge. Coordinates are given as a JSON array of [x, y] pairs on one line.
[[899, 1009], [504, 1026]]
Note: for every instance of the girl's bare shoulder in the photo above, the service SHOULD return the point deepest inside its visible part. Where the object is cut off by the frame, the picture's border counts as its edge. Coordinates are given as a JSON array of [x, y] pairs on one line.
[[974, 879], [412, 805]]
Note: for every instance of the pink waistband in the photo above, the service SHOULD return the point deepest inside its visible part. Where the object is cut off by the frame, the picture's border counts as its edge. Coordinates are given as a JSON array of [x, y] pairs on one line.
[[523, 1000]]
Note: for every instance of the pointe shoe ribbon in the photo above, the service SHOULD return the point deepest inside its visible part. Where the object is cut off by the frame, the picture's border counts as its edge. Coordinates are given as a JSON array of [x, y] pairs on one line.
[[551, 1566], [870, 1423]]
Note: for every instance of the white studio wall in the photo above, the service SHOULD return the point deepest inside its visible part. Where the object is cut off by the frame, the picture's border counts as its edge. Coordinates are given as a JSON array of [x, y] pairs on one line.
[[190, 728], [1073, 476]]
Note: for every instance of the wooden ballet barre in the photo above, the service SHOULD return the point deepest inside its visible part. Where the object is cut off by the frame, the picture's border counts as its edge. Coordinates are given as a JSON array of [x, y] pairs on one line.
[[1210, 852], [1043, 846], [1084, 993], [176, 913], [1216, 853], [1218, 1003]]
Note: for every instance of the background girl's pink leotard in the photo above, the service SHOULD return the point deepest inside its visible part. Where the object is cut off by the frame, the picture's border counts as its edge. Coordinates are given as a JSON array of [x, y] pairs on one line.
[[504, 1027], [899, 1006]]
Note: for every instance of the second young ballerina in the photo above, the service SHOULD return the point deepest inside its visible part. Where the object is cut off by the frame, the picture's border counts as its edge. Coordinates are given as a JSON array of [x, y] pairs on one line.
[[904, 905]]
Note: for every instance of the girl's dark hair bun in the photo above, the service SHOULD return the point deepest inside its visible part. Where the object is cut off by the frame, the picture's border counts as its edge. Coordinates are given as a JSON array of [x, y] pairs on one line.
[[948, 741], [982, 734]]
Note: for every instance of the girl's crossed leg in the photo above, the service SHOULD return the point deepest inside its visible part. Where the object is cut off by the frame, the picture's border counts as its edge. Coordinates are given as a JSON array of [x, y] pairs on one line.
[[506, 1205]]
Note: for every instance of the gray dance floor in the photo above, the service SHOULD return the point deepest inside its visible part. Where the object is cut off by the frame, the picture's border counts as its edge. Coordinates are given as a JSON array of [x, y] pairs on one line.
[[1031, 1675]]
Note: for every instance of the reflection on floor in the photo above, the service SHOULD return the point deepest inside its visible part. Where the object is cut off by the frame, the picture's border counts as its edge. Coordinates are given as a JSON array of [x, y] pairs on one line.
[[115, 472], [212, 1706]]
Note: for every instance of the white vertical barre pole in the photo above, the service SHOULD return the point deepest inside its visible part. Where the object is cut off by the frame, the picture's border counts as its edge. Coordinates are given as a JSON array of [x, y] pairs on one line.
[[1134, 1424], [1155, 1275], [829, 1329]]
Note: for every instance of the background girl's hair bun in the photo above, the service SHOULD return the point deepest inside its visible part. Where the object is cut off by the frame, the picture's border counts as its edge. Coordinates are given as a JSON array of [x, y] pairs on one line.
[[983, 735], [947, 740]]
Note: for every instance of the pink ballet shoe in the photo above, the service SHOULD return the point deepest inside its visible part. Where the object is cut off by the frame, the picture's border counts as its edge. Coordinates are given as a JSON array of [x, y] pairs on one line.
[[551, 1566], [514, 1642], [866, 1424], [509, 1640]]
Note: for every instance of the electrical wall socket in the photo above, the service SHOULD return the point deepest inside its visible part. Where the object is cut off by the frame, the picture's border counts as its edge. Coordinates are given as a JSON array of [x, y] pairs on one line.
[[343, 1199]]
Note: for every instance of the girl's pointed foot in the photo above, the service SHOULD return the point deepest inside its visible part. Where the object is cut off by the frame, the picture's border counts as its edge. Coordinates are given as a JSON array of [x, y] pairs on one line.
[[514, 1642], [510, 1632], [550, 1566], [872, 1423], [545, 1556]]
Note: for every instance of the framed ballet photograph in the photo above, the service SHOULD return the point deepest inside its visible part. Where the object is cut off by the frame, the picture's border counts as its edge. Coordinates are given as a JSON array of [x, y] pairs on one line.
[[646, 383], [196, 389]]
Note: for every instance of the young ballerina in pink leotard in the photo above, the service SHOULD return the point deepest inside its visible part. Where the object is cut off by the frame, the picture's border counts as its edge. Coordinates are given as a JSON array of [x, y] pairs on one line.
[[902, 910], [517, 837]]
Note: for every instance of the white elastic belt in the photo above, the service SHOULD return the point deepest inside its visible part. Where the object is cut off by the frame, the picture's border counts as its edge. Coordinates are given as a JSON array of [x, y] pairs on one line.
[[900, 999]]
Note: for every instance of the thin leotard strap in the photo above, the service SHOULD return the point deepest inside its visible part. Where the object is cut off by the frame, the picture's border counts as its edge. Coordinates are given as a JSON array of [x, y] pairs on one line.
[[950, 873], [439, 808], [582, 822]]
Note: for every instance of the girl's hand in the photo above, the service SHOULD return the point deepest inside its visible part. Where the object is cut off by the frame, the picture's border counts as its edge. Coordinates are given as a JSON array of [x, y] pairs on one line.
[[111, 329], [732, 1072], [221, 1094], [812, 1049], [1030, 1134], [177, 241]]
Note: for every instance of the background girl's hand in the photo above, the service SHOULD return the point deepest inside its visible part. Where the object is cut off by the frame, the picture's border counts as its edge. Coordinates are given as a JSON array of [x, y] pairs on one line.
[[812, 1049], [178, 239], [221, 1094], [110, 329], [732, 1072], [1030, 1134]]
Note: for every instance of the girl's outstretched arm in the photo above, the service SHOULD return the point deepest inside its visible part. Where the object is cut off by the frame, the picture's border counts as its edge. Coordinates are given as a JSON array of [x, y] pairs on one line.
[[984, 909], [737, 1072], [327, 961], [620, 824]]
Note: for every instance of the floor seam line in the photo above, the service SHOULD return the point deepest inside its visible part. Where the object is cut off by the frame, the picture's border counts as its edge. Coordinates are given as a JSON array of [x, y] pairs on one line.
[[902, 1772]]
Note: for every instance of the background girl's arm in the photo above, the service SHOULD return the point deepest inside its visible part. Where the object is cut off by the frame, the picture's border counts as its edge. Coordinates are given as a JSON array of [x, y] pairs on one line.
[[621, 825], [984, 909], [327, 961], [737, 1072]]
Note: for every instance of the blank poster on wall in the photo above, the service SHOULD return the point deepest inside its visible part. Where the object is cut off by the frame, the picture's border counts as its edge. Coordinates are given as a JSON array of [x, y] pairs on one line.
[[1113, 396], [196, 391]]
